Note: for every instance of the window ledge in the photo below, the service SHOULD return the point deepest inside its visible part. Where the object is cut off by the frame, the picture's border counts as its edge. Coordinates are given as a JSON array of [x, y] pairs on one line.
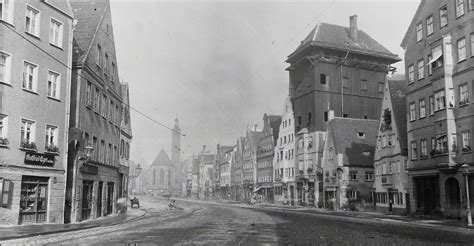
[[6, 22], [56, 46], [54, 98], [4, 146], [5, 83], [88, 106], [437, 110], [464, 104], [26, 149], [460, 61], [33, 35], [51, 152], [30, 91], [466, 152]]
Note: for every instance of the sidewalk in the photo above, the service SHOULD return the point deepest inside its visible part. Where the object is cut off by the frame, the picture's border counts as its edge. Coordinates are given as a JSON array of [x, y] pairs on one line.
[[21, 231]]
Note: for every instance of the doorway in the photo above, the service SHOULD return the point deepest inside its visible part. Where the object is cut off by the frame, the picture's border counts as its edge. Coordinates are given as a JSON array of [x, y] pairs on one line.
[[99, 199], [86, 199], [110, 197], [33, 199]]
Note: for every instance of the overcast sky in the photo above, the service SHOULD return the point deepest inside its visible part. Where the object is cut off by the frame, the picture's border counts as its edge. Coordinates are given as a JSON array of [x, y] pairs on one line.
[[219, 65]]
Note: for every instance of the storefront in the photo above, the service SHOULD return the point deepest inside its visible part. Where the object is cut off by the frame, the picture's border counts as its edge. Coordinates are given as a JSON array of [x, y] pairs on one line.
[[33, 200]]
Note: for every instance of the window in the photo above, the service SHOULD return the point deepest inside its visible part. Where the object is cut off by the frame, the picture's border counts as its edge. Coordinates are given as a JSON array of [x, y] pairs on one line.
[[27, 134], [6, 10], [110, 159], [299, 120], [424, 148], [411, 74], [422, 108], [429, 25], [106, 63], [398, 166], [442, 144], [353, 175], [51, 139], [437, 60], [440, 101], [461, 49], [430, 69], [117, 115], [443, 16], [111, 111], [351, 194], [360, 134], [463, 95], [309, 118], [421, 69], [32, 20], [363, 85], [414, 151], [472, 43], [54, 82], [389, 141], [369, 176], [405, 165], [324, 79], [381, 87], [419, 32], [431, 104], [3, 129], [98, 59], [112, 75], [5, 67], [104, 106], [56, 32], [88, 93], [470, 5], [345, 82], [325, 116], [30, 73], [345, 115], [95, 145], [459, 8], [412, 111], [96, 100], [103, 151], [466, 141], [390, 167]]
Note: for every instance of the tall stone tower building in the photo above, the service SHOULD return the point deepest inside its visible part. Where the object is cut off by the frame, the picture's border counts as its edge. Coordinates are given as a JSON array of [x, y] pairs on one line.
[[175, 142]]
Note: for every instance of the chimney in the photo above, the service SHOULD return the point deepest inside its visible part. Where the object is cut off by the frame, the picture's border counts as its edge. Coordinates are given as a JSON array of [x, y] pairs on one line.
[[203, 148], [353, 28], [330, 115]]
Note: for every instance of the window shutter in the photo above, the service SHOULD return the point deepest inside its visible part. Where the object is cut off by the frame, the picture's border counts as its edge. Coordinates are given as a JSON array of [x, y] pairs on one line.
[[5, 192]]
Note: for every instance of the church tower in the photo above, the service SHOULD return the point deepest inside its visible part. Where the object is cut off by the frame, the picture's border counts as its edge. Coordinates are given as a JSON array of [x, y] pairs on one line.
[[176, 143]]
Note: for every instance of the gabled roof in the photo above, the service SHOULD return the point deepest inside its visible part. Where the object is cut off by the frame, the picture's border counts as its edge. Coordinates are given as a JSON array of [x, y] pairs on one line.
[[254, 138], [412, 23], [344, 132], [398, 89], [162, 159], [88, 14], [337, 37]]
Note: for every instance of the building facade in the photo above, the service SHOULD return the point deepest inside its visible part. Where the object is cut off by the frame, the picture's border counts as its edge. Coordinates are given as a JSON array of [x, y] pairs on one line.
[[348, 163], [224, 158], [391, 153], [438, 59], [236, 171], [93, 183], [35, 56], [265, 152], [249, 163], [206, 177], [284, 185], [125, 142]]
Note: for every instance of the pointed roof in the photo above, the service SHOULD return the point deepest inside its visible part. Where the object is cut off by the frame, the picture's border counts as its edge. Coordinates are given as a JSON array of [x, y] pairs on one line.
[[162, 159], [344, 132], [398, 89], [337, 37], [89, 15]]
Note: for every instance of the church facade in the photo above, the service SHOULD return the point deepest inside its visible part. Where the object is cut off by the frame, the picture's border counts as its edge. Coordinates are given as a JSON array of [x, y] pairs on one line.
[[163, 175]]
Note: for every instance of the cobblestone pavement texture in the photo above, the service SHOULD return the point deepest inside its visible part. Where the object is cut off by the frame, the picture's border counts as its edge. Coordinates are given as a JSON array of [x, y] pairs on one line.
[[201, 223]]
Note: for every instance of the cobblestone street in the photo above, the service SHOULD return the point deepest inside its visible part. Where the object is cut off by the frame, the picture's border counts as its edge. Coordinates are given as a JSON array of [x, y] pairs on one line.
[[213, 224]]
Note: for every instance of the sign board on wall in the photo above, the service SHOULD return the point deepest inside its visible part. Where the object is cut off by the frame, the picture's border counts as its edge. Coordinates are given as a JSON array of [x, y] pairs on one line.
[[32, 158]]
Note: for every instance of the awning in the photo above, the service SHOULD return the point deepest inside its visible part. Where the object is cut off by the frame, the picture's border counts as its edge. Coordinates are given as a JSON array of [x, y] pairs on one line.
[[256, 189], [437, 52]]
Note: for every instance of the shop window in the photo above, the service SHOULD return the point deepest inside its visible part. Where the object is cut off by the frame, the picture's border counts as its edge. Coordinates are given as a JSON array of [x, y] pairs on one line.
[[33, 199]]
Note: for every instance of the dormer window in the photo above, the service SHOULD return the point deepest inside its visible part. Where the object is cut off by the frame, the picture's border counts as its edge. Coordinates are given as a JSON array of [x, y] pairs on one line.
[[361, 134]]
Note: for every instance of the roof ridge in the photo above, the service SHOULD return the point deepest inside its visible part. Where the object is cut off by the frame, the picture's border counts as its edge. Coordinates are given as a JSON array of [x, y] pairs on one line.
[[96, 31], [344, 118], [316, 31]]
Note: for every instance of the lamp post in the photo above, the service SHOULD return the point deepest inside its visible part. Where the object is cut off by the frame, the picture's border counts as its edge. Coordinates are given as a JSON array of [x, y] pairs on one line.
[[465, 168]]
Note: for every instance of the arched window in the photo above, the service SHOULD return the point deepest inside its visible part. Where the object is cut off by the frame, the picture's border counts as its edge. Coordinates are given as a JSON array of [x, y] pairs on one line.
[[122, 146], [127, 152], [162, 177], [453, 196]]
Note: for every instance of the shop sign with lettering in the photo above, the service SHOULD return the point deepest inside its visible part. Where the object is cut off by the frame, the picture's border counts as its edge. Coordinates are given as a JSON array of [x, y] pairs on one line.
[[39, 159]]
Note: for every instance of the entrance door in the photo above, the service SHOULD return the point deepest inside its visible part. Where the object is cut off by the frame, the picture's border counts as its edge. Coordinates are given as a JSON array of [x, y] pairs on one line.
[[86, 199], [110, 197], [292, 195], [33, 199], [99, 199], [390, 201]]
